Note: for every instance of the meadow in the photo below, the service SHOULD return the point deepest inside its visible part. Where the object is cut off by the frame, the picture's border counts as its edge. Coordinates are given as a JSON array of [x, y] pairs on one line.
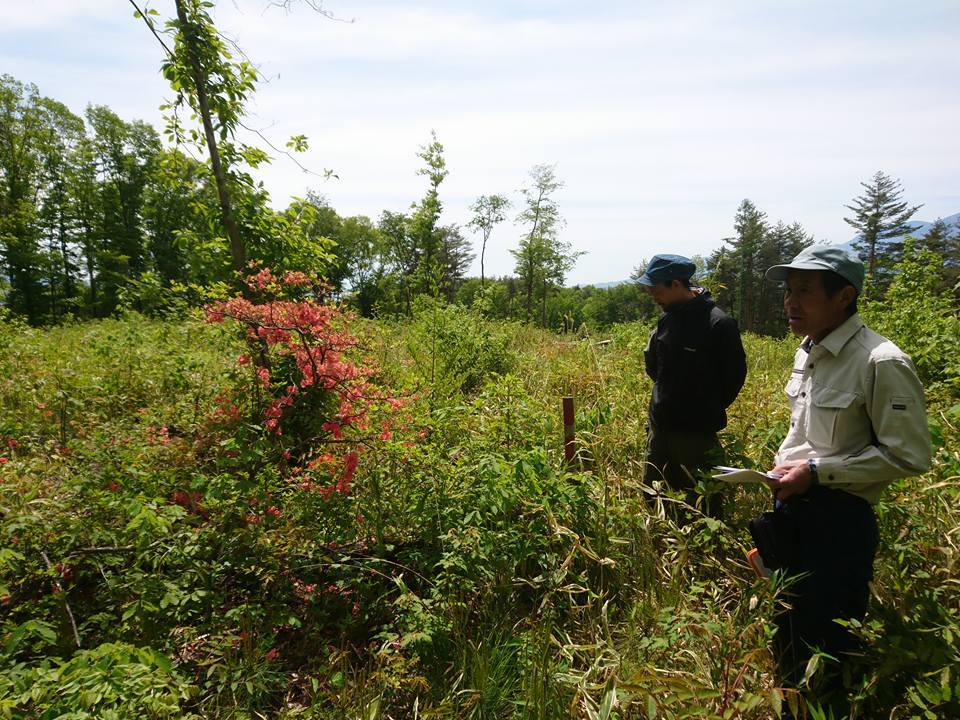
[[422, 551]]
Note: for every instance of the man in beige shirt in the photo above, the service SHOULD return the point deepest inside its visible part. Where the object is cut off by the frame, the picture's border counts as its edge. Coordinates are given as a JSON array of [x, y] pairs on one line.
[[857, 423]]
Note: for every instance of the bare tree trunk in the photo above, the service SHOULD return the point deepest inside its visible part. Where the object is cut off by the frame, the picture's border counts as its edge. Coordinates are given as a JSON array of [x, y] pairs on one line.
[[88, 251], [483, 251], [543, 304]]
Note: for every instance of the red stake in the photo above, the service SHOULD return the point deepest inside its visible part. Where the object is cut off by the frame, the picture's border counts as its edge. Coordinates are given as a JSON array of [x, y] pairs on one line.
[[569, 429]]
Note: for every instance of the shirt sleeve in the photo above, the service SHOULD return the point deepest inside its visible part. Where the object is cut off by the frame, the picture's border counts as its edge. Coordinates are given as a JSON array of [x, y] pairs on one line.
[[901, 447]]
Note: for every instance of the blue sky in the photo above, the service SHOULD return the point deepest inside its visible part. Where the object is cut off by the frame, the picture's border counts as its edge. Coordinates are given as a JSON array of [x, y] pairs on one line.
[[660, 117]]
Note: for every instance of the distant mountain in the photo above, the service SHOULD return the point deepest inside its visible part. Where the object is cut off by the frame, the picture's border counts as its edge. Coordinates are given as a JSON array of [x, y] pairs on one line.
[[605, 285]]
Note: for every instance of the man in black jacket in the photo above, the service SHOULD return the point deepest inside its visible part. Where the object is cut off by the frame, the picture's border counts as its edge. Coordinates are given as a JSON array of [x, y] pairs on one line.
[[696, 360]]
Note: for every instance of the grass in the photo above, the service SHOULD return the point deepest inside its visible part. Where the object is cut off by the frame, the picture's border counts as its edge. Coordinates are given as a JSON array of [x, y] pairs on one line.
[[469, 573]]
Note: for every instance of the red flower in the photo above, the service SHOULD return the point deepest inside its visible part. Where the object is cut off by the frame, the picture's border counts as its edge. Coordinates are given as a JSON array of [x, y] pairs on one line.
[[349, 467]]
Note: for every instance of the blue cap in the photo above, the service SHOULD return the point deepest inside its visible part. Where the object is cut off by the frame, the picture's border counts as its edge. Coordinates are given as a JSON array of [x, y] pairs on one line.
[[664, 268]]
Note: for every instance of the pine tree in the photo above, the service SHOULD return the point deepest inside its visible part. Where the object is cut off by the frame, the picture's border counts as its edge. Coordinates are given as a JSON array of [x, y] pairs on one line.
[[878, 215], [945, 242], [735, 273], [751, 227]]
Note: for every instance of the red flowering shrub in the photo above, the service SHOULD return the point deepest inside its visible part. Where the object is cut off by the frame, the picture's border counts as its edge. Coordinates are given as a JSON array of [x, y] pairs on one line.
[[311, 402]]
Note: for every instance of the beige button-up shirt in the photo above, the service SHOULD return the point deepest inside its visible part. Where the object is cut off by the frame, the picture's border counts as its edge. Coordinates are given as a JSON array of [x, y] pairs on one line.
[[857, 407]]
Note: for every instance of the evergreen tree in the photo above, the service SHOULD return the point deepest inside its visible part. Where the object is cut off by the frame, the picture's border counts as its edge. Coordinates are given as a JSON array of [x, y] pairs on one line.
[[782, 243], [879, 214], [735, 272], [748, 254], [945, 242]]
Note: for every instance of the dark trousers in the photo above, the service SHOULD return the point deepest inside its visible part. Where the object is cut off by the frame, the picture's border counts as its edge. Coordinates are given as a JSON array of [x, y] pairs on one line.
[[837, 539], [681, 459]]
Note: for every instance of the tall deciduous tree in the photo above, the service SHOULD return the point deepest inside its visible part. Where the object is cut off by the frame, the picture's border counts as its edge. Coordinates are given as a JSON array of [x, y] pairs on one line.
[[879, 214], [488, 211], [423, 224], [21, 131], [88, 213], [200, 68], [126, 154], [64, 132], [542, 260], [455, 256], [361, 251], [179, 241]]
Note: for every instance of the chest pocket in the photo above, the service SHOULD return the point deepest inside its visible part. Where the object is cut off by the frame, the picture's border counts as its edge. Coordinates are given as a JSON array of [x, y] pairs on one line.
[[827, 408], [793, 386]]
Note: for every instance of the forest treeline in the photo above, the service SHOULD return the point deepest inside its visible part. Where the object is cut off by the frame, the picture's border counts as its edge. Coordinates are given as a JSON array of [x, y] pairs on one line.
[[98, 213]]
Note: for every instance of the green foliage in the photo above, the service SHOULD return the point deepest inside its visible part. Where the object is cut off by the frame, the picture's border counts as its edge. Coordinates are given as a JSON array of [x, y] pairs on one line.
[[454, 349], [879, 214], [112, 681], [468, 572], [542, 259], [925, 324], [735, 274]]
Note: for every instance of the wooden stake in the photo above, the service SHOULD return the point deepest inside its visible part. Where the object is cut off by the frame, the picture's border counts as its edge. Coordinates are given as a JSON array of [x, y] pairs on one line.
[[569, 431]]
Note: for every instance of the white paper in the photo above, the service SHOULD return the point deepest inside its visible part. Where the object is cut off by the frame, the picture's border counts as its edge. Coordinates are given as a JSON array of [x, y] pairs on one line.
[[742, 475]]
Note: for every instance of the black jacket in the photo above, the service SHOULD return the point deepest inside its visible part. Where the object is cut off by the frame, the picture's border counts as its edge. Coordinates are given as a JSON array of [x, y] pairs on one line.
[[696, 360]]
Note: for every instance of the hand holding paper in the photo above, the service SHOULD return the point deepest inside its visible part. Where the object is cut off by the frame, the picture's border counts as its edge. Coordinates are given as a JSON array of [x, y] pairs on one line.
[[742, 475]]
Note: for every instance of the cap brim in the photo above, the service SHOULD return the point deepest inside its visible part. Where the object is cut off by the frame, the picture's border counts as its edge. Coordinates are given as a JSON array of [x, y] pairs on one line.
[[645, 280], [778, 273]]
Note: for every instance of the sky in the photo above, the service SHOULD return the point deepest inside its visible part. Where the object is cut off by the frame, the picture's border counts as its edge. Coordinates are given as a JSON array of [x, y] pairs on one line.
[[660, 117]]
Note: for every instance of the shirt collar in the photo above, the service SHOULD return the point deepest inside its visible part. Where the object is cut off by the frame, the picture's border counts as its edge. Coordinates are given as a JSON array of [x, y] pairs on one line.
[[834, 342]]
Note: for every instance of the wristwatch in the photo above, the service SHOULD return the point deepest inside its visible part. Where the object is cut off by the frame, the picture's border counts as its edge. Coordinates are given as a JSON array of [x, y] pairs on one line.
[[814, 477]]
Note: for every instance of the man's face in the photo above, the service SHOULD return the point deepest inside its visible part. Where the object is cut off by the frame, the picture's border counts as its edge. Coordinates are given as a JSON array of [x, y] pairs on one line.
[[667, 294], [810, 311]]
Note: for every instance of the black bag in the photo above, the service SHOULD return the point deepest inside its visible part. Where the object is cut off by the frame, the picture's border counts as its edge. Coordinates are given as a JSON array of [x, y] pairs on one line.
[[777, 539]]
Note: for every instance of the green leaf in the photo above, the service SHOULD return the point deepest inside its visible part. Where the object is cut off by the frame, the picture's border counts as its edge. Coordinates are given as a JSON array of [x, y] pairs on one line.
[[776, 701]]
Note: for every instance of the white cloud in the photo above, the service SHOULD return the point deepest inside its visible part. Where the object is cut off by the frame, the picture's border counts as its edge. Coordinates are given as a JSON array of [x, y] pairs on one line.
[[661, 117]]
